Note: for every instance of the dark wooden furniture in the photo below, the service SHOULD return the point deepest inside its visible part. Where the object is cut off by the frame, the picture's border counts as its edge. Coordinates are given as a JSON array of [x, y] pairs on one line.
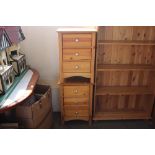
[[125, 73], [36, 111]]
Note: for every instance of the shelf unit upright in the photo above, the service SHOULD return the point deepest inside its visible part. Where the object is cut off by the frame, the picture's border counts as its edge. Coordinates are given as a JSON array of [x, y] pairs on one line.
[[125, 73]]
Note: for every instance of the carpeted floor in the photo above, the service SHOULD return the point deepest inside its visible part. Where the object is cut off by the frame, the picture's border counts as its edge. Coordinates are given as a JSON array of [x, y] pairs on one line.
[[123, 124]]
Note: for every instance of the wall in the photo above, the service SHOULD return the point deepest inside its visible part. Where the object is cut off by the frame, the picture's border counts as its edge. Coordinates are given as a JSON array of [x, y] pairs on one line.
[[41, 49]]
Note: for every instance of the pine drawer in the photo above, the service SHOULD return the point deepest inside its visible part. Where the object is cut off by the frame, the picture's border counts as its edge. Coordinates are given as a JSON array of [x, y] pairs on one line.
[[77, 40], [76, 67], [76, 91], [76, 54], [76, 101], [76, 111]]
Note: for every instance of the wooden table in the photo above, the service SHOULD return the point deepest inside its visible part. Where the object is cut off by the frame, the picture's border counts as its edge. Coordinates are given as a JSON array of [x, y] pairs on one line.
[[21, 89]]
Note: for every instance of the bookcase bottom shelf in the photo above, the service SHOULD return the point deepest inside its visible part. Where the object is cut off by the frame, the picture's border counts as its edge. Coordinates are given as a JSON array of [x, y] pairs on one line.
[[113, 107], [121, 115]]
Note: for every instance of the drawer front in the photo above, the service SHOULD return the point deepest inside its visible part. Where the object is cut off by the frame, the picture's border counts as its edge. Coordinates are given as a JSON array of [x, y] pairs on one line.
[[76, 67], [76, 101], [76, 111], [76, 91], [76, 54], [77, 40], [69, 118]]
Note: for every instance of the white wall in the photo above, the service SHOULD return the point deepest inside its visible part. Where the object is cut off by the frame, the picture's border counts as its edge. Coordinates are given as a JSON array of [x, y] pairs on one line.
[[41, 49], [42, 54]]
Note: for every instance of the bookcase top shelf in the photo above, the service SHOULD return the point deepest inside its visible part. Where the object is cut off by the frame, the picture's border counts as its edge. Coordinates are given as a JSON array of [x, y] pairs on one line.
[[125, 67], [126, 42]]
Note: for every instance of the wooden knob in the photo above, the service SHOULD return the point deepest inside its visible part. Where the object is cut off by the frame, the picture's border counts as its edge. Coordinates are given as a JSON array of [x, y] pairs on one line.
[[76, 54], [75, 91], [76, 113], [76, 40], [76, 67]]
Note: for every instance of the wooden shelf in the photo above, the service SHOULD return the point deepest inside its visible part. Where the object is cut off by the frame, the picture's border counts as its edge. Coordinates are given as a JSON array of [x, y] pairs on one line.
[[121, 115], [125, 67], [125, 42], [122, 90]]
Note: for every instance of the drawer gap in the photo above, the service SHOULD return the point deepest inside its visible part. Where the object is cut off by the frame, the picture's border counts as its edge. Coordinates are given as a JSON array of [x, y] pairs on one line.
[[76, 79]]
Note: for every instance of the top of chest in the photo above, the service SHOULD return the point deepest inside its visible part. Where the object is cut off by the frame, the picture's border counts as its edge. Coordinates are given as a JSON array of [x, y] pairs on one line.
[[76, 30]]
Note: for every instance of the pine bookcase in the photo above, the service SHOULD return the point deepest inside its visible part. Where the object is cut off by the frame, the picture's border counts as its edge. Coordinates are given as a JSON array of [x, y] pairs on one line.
[[124, 73]]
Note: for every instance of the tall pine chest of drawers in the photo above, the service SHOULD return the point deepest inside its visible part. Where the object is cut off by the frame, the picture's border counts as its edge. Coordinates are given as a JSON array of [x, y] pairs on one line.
[[76, 79]]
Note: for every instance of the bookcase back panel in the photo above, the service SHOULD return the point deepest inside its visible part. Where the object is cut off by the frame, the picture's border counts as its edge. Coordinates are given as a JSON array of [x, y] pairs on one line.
[[123, 78], [118, 103], [126, 33], [128, 54]]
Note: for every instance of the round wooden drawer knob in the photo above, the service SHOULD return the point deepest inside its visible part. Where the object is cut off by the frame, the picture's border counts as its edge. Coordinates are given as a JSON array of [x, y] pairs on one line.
[[76, 113], [76, 67], [76, 54], [76, 40], [75, 91]]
